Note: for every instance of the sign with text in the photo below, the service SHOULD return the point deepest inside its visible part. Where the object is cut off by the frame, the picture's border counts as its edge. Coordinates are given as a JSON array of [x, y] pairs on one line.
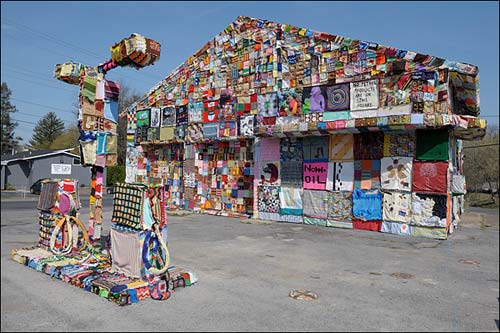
[[315, 175], [364, 95], [60, 169]]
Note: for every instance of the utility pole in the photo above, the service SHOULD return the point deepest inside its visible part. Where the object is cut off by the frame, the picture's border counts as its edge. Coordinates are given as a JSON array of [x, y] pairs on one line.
[[135, 51]]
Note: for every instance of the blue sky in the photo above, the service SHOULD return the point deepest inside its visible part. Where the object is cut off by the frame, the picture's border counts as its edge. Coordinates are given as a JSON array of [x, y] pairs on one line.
[[37, 35]]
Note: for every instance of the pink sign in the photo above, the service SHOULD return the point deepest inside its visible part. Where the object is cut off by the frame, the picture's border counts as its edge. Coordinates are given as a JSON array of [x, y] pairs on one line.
[[315, 175]]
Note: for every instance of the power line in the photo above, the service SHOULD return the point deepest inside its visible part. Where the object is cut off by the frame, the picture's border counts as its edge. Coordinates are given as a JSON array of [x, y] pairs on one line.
[[58, 40], [42, 105], [38, 116], [51, 38], [488, 145], [42, 84]]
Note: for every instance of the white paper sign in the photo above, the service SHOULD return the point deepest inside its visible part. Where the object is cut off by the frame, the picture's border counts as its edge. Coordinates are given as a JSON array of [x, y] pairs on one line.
[[364, 95], [61, 169]]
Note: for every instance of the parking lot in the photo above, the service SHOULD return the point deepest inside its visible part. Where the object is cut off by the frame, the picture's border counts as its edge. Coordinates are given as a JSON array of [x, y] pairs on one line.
[[366, 281]]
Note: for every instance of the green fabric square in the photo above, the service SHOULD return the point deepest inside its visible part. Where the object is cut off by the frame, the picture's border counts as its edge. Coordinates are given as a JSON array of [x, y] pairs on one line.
[[432, 145]]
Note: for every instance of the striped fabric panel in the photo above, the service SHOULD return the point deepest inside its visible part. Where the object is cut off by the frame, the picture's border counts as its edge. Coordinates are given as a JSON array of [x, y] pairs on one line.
[[341, 147]]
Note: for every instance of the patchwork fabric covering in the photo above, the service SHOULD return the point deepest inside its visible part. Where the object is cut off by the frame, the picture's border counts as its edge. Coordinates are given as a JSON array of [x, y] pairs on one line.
[[340, 206], [368, 146], [298, 99], [269, 199], [399, 144], [315, 203], [290, 201], [92, 272], [367, 174]]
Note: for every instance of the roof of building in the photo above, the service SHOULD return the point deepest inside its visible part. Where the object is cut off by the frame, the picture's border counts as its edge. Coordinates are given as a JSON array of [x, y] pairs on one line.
[[29, 155], [258, 57]]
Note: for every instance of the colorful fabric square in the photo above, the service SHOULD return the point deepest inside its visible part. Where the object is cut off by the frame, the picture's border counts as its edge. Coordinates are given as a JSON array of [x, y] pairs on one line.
[[430, 177], [267, 105], [112, 144], [397, 207], [396, 228], [112, 90], [291, 149], [428, 210], [313, 99], [341, 147], [396, 173], [211, 111], [195, 112], [333, 116], [290, 201], [291, 218], [128, 202], [432, 145], [247, 105], [315, 221], [292, 173], [337, 97], [367, 204], [111, 110], [269, 173], [142, 117], [153, 134], [131, 119], [429, 232], [340, 206], [228, 129], [88, 152], [182, 115], [194, 133], [316, 148], [155, 117], [247, 125], [315, 175], [367, 174], [48, 196], [374, 225], [399, 144], [368, 146], [270, 149], [269, 200], [339, 224], [210, 131], [315, 204], [89, 88], [340, 176]]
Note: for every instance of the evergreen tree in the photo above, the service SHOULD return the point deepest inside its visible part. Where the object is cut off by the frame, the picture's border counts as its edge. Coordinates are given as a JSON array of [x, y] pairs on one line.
[[8, 126], [46, 131]]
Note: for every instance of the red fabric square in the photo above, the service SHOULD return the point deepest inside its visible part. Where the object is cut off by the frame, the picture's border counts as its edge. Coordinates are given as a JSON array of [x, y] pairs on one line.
[[374, 225], [429, 177]]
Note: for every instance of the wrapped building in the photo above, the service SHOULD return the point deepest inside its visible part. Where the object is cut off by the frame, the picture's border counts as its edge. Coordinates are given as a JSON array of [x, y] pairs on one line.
[[278, 122]]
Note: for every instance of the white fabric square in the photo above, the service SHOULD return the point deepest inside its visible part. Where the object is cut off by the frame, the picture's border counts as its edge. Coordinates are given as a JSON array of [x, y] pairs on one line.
[[395, 173], [340, 176], [396, 207]]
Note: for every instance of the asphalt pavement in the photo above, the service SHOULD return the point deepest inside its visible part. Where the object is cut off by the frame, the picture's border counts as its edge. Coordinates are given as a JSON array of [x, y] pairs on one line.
[[366, 281]]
